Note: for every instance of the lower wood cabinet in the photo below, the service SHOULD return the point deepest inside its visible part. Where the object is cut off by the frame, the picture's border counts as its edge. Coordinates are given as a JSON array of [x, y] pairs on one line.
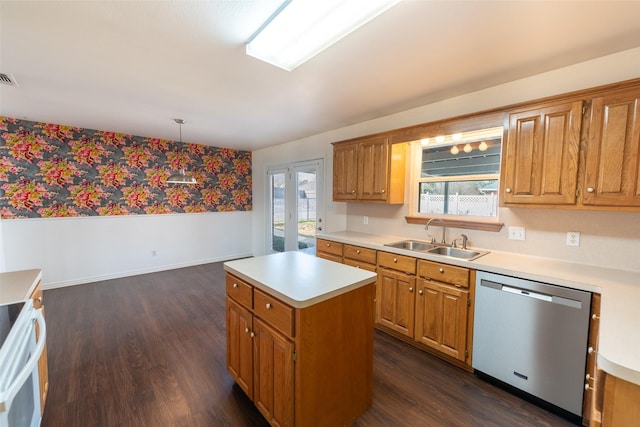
[[395, 301], [441, 318]]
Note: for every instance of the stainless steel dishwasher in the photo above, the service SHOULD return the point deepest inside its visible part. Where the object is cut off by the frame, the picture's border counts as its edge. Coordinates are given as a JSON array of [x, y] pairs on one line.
[[532, 336]]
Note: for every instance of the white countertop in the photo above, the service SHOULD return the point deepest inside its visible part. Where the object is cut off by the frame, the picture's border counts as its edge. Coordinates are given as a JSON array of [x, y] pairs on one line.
[[619, 339], [298, 279], [18, 285]]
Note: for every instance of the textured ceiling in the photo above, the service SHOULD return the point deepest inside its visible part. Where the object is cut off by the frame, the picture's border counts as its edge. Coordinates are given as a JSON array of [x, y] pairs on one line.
[[133, 66]]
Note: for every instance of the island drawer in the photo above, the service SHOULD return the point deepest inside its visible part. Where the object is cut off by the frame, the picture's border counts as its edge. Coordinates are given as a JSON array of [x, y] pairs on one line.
[[457, 276], [405, 264], [360, 254], [273, 311], [240, 291], [327, 246]]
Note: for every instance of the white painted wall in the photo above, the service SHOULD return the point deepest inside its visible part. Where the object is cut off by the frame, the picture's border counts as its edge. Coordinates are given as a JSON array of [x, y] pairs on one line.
[[607, 238], [80, 250]]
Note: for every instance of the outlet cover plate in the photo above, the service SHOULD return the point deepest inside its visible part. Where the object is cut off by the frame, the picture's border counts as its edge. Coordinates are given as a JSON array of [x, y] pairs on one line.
[[517, 233], [573, 238]]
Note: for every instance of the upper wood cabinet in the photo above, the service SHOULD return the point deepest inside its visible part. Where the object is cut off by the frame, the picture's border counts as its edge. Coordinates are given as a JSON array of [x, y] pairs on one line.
[[540, 164], [369, 170], [612, 168]]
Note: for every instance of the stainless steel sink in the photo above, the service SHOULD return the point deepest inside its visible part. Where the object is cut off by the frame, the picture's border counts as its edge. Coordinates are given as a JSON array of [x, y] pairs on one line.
[[467, 254], [437, 249], [412, 245]]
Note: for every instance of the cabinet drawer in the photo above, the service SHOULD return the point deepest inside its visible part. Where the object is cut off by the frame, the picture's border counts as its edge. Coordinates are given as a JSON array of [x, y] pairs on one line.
[[240, 291], [406, 264], [360, 254], [273, 311], [360, 264], [457, 276], [328, 246]]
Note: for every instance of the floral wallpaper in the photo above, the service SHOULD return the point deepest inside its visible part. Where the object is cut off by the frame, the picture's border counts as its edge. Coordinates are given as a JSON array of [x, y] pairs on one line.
[[49, 170]]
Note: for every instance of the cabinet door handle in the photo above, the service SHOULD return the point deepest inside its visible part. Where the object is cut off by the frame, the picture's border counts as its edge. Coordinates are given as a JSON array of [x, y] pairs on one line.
[[508, 190], [253, 334], [357, 251], [590, 190], [246, 330], [395, 260], [410, 289], [382, 191], [420, 291], [328, 244], [353, 191], [268, 306], [441, 270], [235, 285]]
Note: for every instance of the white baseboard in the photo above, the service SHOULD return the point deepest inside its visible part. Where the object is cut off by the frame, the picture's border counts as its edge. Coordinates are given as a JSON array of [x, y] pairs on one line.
[[86, 280]]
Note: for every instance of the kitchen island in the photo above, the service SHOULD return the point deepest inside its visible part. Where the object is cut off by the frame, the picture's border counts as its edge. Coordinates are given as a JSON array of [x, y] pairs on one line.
[[300, 337]]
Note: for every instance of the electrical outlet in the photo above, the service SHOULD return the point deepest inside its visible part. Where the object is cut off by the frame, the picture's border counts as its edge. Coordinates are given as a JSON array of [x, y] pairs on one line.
[[365, 220], [516, 233], [573, 238]]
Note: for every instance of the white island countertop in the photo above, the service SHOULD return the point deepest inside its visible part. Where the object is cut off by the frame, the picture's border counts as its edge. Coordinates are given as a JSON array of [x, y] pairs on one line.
[[298, 279], [619, 339], [17, 286]]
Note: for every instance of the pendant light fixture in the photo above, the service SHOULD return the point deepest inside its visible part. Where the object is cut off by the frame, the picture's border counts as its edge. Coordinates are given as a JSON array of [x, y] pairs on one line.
[[181, 177]]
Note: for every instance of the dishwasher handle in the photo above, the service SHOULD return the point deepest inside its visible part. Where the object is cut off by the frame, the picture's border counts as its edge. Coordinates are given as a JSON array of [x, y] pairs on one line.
[[527, 293]]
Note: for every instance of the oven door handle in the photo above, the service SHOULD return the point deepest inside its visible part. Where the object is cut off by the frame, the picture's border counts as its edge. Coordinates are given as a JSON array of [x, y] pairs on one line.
[[31, 364]]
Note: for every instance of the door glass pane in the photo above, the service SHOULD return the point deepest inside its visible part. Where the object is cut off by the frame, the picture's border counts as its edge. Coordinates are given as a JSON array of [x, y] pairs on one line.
[[306, 210], [277, 211]]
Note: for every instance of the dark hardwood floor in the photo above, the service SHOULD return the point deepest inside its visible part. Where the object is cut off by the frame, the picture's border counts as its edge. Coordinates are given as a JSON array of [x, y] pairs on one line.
[[149, 351]]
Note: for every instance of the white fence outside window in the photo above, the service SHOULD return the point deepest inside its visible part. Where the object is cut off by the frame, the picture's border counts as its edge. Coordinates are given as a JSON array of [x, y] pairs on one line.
[[460, 204]]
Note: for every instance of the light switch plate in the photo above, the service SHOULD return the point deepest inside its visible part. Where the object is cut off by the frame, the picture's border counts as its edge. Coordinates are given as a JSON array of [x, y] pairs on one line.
[[365, 220], [573, 238], [516, 233]]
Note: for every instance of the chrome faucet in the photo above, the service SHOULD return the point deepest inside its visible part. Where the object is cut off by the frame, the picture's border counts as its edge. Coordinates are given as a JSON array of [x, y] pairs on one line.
[[444, 228], [464, 241]]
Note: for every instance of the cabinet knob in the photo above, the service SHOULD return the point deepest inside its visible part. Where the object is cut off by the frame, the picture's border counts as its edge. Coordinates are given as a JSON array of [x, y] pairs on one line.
[[508, 190], [382, 191], [410, 289], [441, 270], [353, 191], [590, 190], [395, 260], [591, 350], [420, 291], [357, 251], [328, 244], [235, 285], [246, 330], [595, 316], [268, 306], [253, 334]]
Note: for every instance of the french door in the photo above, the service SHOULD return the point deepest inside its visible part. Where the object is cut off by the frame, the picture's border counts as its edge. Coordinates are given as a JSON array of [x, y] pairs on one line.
[[295, 206]]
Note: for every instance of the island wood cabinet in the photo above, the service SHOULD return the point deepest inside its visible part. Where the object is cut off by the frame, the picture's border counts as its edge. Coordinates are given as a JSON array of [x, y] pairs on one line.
[[541, 155], [612, 167], [301, 366], [369, 170], [43, 371], [442, 306]]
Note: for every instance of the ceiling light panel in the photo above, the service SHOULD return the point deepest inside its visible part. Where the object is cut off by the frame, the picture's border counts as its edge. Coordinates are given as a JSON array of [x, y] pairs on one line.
[[304, 28]]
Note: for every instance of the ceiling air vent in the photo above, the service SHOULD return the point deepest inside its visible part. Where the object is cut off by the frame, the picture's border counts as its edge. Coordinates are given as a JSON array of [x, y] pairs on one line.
[[8, 79]]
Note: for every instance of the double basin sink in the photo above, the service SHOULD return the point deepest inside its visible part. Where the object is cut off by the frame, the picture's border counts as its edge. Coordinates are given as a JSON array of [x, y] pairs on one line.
[[436, 249]]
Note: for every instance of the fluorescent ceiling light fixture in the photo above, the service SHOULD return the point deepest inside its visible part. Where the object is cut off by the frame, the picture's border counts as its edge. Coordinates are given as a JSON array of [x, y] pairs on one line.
[[301, 29]]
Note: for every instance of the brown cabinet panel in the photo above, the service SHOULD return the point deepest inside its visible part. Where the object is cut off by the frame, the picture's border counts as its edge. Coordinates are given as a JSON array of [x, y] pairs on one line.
[[457, 276], [273, 361], [612, 170], [240, 346], [329, 249], [240, 291], [369, 169], [345, 171], [541, 155], [395, 301], [274, 312], [441, 318], [405, 264], [360, 254]]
